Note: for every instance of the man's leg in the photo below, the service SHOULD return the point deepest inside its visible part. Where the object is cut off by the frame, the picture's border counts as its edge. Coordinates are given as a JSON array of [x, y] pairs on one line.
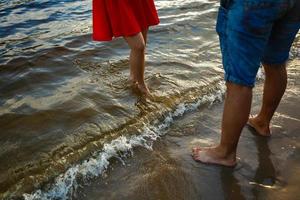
[[247, 38], [274, 88], [236, 112], [277, 50]]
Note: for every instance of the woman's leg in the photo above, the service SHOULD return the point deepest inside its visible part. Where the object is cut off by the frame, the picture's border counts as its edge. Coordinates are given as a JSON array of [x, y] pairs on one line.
[[137, 60], [145, 35]]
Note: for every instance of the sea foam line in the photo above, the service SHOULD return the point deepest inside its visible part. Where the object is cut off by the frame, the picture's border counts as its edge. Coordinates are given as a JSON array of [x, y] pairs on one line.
[[65, 185]]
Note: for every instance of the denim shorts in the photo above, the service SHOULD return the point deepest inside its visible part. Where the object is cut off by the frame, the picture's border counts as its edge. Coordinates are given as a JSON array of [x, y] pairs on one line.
[[255, 31]]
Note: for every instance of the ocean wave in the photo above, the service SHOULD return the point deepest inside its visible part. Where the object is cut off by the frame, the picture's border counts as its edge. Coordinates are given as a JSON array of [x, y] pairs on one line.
[[66, 184]]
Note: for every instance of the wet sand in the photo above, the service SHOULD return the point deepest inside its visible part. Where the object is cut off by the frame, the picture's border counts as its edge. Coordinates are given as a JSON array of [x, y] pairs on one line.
[[268, 168]]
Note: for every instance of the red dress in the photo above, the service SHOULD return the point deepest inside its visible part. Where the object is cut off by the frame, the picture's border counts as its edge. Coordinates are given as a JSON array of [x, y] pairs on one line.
[[115, 18]]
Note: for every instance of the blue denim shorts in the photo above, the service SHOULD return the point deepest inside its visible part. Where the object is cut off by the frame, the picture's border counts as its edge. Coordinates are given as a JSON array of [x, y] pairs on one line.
[[255, 31]]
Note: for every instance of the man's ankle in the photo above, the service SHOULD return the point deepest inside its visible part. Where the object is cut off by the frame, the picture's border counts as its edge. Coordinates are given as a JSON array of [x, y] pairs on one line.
[[226, 150], [261, 121]]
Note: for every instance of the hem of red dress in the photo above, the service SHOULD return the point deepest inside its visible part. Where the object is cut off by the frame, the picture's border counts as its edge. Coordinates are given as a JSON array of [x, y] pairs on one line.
[[101, 39], [125, 35], [137, 31]]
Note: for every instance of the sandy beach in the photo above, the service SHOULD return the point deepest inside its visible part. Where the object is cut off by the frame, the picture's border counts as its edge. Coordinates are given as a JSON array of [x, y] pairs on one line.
[[267, 167]]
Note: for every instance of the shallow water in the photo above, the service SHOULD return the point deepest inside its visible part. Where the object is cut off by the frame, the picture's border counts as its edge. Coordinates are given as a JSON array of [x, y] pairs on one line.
[[67, 112]]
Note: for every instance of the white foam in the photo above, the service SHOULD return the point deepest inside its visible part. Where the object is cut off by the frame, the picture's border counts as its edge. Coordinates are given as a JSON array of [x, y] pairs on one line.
[[66, 184]]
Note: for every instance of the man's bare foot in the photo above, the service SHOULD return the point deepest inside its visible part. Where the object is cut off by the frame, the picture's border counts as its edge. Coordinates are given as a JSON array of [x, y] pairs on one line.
[[259, 126], [213, 155]]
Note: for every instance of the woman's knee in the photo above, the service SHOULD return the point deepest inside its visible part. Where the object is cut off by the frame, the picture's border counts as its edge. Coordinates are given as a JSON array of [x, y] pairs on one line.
[[139, 46], [136, 43]]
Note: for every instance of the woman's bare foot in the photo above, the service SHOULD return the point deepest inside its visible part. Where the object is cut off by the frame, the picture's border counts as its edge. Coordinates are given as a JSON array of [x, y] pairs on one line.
[[140, 89], [214, 155], [259, 126], [196, 150], [143, 89]]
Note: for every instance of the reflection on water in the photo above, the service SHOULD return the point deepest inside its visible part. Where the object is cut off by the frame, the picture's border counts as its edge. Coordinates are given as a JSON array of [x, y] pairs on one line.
[[231, 186], [265, 175]]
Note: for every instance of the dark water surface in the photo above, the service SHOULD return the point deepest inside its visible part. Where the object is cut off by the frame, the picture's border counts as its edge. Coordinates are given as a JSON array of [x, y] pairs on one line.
[[68, 115]]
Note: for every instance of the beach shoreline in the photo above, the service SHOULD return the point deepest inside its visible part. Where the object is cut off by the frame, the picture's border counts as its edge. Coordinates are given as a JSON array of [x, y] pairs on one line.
[[267, 167]]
